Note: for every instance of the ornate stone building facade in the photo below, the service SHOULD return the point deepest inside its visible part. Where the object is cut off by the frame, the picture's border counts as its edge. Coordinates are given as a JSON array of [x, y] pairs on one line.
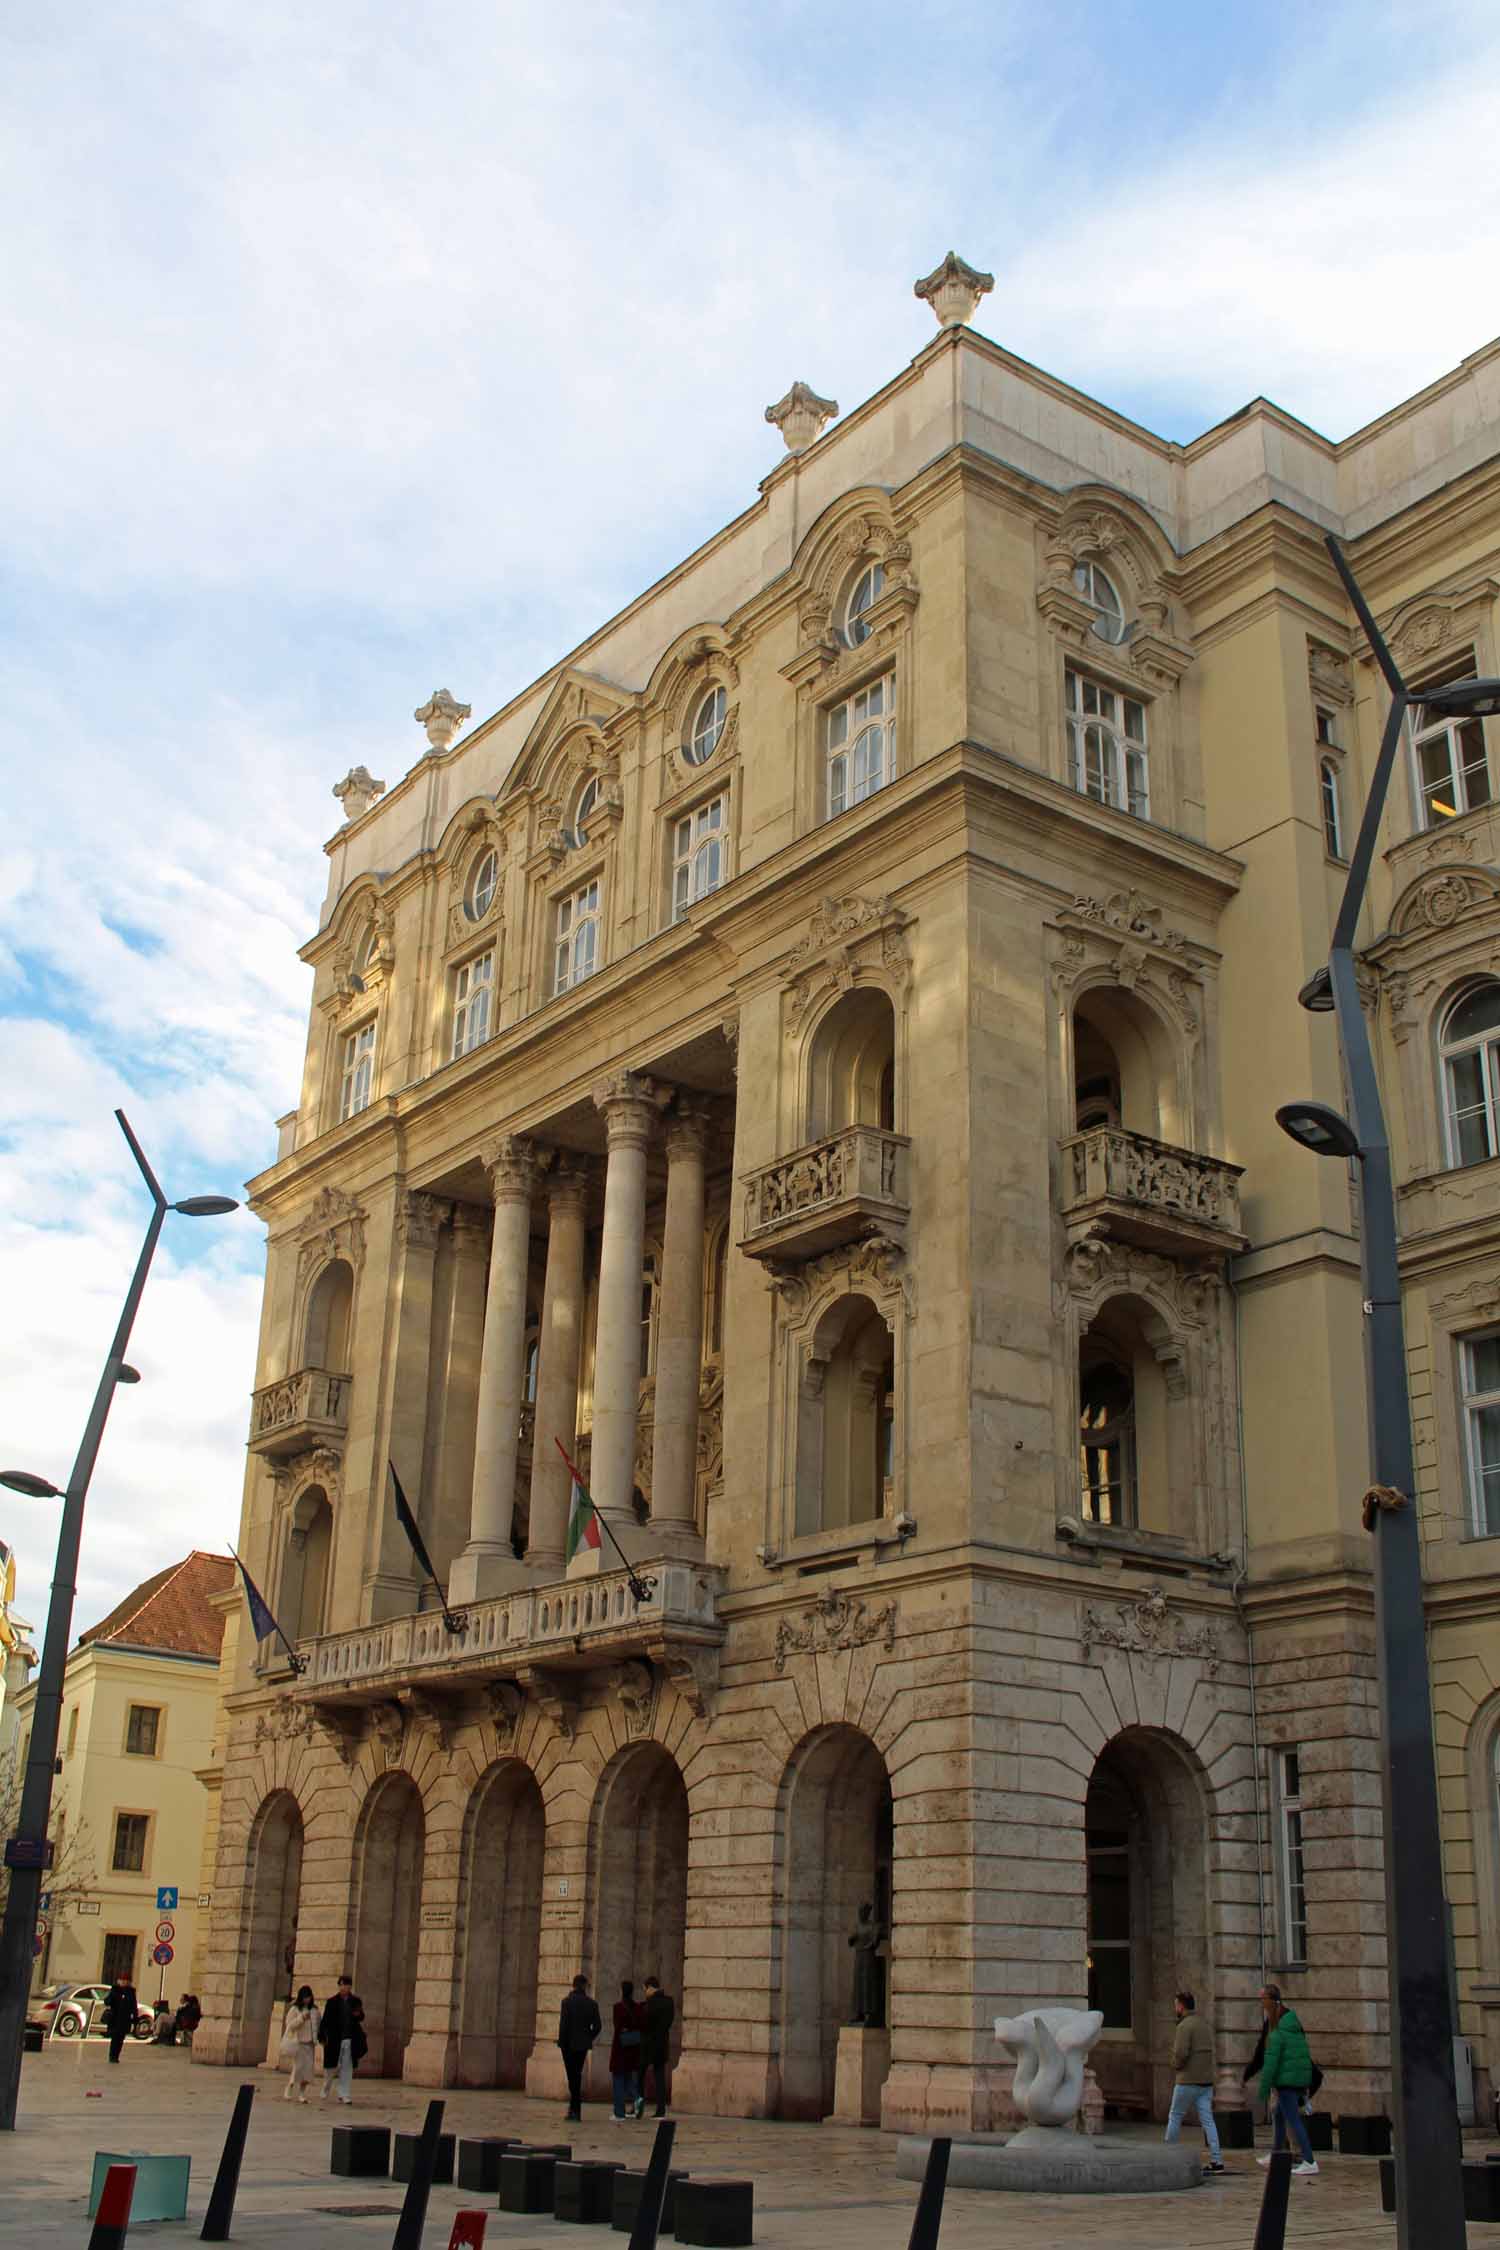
[[814, 1054]]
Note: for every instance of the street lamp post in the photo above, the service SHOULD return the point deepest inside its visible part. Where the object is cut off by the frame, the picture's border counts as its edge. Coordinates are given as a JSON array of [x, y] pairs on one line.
[[1429, 2146], [26, 1851]]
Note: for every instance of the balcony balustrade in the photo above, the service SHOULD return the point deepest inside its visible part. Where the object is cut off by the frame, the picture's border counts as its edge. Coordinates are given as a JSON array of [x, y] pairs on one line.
[[1149, 1192], [828, 1193], [308, 1408], [575, 1625]]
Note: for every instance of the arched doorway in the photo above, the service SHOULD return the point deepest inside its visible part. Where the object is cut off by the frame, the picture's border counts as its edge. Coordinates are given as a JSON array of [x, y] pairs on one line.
[[275, 1890], [503, 1846], [638, 1855], [389, 1852], [1145, 1841], [325, 1334], [837, 1856]]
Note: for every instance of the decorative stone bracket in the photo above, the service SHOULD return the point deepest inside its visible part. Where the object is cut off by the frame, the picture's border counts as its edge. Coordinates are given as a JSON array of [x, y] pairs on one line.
[[1149, 1628], [835, 1621]]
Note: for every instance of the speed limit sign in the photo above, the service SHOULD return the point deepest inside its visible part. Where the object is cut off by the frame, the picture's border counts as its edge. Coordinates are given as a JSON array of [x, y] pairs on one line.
[[165, 1932]]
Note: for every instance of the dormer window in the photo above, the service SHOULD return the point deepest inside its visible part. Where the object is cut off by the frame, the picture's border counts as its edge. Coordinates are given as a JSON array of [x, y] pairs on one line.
[[707, 729], [1103, 598], [863, 594], [482, 886]]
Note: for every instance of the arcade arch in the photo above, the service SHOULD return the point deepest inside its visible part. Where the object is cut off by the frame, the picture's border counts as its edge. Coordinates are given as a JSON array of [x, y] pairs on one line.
[[388, 1858], [505, 1835], [638, 1860], [275, 1889], [836, 1856]]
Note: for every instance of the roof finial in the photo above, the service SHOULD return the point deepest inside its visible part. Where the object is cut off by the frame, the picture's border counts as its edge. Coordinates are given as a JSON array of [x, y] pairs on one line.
[[801, 415], [442, 716], [953, 290]]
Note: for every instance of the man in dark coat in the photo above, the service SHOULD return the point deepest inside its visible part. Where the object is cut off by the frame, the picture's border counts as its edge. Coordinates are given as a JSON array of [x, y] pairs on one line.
[[344, 2042], [656, 2042], [578, 2026], [120, 2011]]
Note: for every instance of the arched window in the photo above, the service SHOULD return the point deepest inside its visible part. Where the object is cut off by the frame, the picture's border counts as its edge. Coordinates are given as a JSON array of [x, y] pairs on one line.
[[707, 728], [1471, 1075], [863, 594], [1106, 1440], [1103, 598], [325, 1339], [588, 797], [851, 1069], [847, 1438], [482, 884], [1333, 818]]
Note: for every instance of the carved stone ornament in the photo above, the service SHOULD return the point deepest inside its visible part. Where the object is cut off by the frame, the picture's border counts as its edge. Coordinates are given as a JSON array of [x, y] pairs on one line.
[[1479, 1299], [358, 791], [847, 938], [285, 1722], [434, 1715], [1130, 915], [420, 1219], [953, 290], [1328, 674], [835, 1621], [1435, 902], [877, 1263], [1188, 1290], [1148, 1627], [388, 1727], [556, 1695], [342, 1730], [693, 1672], [442, 715], [800, 416], [510, 1164], [333, 1228], [635, 1692], [506, 1706]]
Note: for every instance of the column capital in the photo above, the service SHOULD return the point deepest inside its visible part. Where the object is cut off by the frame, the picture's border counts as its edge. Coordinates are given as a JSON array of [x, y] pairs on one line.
[[687, 1126], [568, 1184], [419, 1219], [630, 1104], [510, 1163], [471, 1226]]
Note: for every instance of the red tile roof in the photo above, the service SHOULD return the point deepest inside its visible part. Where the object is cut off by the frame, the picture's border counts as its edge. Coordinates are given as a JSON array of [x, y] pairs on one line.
[[172, 1611]]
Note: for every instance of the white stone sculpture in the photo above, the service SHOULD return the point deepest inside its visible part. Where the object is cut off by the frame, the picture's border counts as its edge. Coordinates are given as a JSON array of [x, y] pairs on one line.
[[358, 791], [1051, 2047], [953, 290], [800, 415], [442, 715]]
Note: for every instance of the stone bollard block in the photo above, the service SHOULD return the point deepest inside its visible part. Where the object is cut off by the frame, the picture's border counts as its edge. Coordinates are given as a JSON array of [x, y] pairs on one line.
[[583, 2193], [627, 2201], [361, 2152], [528, 2181], [715, 2214], [404, 2152], [478, 2164]]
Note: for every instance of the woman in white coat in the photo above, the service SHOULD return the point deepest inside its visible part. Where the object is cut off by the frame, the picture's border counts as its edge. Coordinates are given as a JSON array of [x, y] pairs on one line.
[[299, 2043]]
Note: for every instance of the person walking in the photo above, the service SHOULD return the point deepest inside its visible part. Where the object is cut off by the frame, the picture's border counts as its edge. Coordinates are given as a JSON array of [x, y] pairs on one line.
[[299, 2038], [578, 2026], [625, 2053], [344, 2043], [656, 2039], [1286, 2074], [120, 2011], [1193, 2066]]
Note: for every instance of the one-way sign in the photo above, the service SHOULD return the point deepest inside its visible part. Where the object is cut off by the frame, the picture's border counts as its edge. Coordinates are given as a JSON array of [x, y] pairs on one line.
[[166, 1898]]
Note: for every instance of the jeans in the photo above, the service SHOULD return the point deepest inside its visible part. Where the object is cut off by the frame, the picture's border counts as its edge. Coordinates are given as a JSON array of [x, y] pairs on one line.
[[1185, 2099], [627, 2086], [1288, 2111], [574, 2059]]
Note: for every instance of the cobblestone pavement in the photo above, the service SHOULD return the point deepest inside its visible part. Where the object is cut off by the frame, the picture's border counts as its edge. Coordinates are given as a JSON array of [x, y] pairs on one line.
[[817, 2187]]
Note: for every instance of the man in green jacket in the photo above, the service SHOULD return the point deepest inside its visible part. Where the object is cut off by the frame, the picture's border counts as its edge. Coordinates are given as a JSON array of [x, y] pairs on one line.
[[1193, 2063], [1285, 2077]]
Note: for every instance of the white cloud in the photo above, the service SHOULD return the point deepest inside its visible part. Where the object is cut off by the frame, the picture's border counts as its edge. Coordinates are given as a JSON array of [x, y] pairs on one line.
[[350, 350]]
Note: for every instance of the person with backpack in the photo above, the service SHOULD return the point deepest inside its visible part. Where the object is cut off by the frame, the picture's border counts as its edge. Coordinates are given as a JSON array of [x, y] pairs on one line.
[[1286, 2079]]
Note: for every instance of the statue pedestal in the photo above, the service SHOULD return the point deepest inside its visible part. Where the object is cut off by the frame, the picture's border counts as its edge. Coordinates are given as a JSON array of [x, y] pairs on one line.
[[864, 2059]]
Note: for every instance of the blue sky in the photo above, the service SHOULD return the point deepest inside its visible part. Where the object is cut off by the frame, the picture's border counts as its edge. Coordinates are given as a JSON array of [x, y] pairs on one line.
[[354, 350]]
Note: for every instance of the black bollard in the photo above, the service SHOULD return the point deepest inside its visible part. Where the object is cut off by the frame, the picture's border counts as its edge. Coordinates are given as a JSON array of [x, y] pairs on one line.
[[654, 2188], [1270, 2234], [227, 2178], [408, 2235], [929, 2214], [112, 2219]]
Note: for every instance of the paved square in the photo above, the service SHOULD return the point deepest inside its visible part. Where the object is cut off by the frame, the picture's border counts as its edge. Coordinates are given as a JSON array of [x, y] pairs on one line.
[[817, 2187]]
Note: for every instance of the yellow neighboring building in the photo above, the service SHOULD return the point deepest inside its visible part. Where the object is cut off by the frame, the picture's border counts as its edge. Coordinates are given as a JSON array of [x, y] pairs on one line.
[[128, 1808]]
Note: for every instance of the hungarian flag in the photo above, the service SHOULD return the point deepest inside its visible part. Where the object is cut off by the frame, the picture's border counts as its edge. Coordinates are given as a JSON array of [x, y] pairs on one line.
[[583, 1516]]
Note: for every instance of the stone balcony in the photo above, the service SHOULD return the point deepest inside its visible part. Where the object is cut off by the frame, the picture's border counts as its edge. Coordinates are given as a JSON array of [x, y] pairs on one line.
[[539, 1639], [1150, 1193], [306, 1409], [828, 1193]]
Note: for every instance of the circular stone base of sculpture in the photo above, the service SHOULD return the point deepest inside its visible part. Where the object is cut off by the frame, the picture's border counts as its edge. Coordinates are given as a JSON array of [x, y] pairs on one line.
[[1066, 2163]]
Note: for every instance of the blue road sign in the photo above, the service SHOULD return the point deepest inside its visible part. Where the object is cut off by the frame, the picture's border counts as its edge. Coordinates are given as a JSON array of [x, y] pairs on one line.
[[166, 1898]]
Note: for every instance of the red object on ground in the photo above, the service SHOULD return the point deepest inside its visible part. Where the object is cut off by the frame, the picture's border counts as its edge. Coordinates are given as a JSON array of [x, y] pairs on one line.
[[113, 2216], [468, 2231]]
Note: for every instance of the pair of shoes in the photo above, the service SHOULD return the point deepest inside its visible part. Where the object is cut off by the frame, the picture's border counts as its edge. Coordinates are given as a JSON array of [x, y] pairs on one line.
[[1210, 2169], [640, 2105], [1305, 2171]]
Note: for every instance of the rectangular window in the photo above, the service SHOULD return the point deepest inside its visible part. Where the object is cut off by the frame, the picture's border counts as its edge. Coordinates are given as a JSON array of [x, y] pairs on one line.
[[1107, 745], [72, 1730], [129, 1854], [472, 986], [861, 745], [1327, 729], [1453, 774], [357, 1075], [1333, 818], [1110, 1983], [119, 1957], [1480, 1360], [697, 854], [141, 1730], [576, 954], [1291, 1873]]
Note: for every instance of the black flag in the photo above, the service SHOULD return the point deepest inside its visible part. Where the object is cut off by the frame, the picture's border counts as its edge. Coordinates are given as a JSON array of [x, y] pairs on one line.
[[408, 1523]]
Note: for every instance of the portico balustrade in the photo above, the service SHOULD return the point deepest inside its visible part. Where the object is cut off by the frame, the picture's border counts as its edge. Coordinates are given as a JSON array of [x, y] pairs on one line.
[[1149, 1192], [827, 1193], [299, 1411]]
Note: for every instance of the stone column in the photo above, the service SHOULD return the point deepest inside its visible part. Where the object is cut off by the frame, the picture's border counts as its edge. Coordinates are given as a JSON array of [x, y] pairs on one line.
[[679, 1331], [557, 1368], [629, 1105], [487, 1565]]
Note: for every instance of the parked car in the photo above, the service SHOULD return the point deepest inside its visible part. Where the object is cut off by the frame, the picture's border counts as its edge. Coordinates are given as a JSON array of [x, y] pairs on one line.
[[71, 2011]]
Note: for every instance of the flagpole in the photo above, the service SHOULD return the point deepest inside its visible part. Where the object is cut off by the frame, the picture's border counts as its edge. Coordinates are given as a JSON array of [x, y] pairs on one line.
[[641, 1589], [297, 1663]]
